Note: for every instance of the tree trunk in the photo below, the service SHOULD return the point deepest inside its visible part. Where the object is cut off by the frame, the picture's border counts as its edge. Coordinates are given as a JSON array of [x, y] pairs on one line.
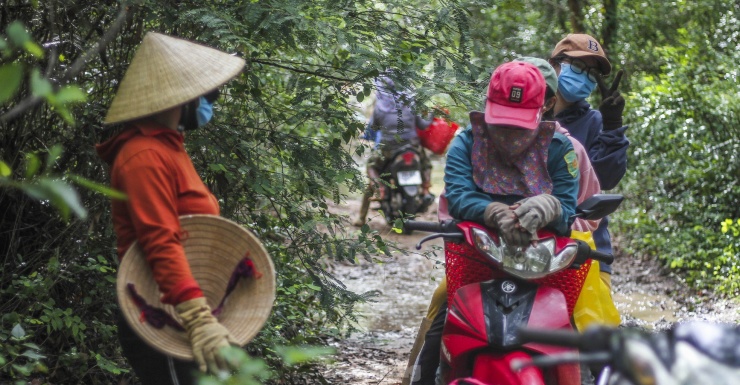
[[576, 16], [609, 30]]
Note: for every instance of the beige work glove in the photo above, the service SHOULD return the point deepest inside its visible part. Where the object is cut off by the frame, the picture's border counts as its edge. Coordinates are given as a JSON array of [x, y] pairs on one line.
[[494, 212], [501, 217], [536, 212], [207, 336]]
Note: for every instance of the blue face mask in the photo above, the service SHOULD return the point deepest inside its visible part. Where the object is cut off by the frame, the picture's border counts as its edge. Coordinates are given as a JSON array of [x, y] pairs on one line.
[[572, 86], [204, 112]]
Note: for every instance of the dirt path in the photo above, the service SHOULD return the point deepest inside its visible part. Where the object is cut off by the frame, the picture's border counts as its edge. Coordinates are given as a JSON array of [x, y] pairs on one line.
[[378, 353], [646, 295]]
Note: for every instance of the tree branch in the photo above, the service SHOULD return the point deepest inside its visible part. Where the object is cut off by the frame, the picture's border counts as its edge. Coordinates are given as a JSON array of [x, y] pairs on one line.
[[299, 70], [32, 100]]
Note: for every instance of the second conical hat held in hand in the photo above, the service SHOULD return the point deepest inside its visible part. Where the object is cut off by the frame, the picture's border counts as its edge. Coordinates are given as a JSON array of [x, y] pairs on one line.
[[214, 247], [166, 72]]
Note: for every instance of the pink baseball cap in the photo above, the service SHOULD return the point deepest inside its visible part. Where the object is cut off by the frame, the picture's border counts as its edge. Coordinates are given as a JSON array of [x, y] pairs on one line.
[[516, 95]]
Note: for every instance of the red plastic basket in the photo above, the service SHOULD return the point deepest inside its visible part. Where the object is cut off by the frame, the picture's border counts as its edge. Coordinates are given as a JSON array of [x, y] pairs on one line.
[[438, 135], [465, 265]]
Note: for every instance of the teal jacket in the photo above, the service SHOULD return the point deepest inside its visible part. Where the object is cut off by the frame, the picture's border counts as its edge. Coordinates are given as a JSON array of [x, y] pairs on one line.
[[468, 202]]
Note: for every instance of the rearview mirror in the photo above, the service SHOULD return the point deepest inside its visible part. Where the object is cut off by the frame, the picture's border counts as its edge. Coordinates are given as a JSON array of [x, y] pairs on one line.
[[598, 206]]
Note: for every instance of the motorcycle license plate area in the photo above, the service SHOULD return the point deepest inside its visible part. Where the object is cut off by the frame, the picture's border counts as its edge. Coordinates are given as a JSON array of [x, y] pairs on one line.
[[408, 178]]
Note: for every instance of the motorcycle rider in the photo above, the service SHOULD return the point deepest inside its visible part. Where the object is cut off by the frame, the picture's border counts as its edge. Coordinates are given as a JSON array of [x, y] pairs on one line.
[[392, 125], [588, 186], [581, 63], [511, 172]]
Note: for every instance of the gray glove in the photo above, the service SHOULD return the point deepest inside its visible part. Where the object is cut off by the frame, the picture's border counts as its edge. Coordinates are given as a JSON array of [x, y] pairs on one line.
[[516, 236], [499, 216], [536, 212], [494, 211]]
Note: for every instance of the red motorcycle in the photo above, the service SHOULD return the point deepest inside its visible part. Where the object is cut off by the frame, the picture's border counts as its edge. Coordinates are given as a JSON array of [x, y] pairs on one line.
[[402, 185], [495, 289]]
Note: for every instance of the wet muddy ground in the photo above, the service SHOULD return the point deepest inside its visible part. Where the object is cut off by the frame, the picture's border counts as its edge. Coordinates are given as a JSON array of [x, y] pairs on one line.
[[645, 293]]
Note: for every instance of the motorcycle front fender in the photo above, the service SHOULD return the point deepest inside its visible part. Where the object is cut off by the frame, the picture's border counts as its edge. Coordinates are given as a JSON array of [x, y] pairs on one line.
[[411, 191], [495, 368], [484, 319]]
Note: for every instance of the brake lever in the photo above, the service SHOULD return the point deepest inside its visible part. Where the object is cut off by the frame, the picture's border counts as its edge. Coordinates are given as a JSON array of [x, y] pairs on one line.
[[438, 235]]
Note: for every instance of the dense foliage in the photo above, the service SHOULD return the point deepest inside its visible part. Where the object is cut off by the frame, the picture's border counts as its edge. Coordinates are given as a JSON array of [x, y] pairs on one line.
[[682, 182], [280, 151]]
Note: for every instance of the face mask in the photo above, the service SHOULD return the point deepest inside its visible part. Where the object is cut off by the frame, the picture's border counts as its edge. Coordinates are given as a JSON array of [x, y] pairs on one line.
[[204, 112], [512, 142], [196, 114], [572, 86]]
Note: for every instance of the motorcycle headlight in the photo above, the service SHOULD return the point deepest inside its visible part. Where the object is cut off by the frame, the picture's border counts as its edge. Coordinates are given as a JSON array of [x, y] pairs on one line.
[[487, 245], [530, 262], [564, 258]]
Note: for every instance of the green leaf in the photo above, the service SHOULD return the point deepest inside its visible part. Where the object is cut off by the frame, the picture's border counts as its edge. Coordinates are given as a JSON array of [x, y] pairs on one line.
[[66, 194], [97, 187], [296, 355], [34, 49], [39, 85], [108, 365], [18, 34], [33, 355], [60, 194], [24, 370], [5, 171], [33, 165], [70, 94], [62, 111], [54, 153], [10, 78], [18, 331], [31, 345]]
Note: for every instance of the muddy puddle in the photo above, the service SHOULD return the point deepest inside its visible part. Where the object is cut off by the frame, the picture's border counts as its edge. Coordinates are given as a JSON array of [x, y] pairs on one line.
[[645, 294], [648, 308]]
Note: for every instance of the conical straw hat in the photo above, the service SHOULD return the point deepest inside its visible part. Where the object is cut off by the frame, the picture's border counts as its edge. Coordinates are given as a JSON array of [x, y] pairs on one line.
[[166, 72], [213, 247]]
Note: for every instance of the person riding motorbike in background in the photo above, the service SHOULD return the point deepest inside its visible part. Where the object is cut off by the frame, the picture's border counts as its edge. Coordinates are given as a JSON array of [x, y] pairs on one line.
[[510, 171], [392, 125], [581, 63]]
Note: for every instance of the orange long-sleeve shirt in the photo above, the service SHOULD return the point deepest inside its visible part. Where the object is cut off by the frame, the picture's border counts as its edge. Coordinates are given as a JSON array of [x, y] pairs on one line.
[[149, 163]]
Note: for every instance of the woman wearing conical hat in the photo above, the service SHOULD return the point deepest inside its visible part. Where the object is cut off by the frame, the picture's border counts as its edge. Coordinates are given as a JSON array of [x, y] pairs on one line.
[[168, 88]]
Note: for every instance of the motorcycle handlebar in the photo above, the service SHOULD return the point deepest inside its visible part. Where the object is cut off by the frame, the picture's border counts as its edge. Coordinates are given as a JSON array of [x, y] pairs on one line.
[[602, 257], [445, 229], [431, 227], [586, 252], [449, 228], [551, 337], [594, 339]]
